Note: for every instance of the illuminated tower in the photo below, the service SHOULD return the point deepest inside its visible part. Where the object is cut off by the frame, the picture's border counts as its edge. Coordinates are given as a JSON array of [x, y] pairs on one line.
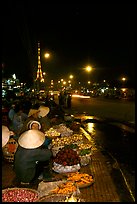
[[39, 71]]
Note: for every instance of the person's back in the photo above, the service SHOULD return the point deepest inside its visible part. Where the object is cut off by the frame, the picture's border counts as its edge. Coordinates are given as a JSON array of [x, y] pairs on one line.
[[25, 161]]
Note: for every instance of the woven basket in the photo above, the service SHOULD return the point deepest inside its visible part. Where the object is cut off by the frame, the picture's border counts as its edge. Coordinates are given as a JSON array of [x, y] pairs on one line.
[[8, 192]]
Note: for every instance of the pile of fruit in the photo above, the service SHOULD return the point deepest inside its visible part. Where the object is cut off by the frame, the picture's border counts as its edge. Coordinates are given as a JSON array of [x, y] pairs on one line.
[[52, 133], [75, 139], [67, 157], [65, 188]]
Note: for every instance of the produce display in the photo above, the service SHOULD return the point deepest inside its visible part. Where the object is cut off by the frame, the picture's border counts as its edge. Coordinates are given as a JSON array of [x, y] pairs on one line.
[[19, 195], [66, 160], [67, 157], [64, 130], [52, 133], [70, 153], [80, 179], [75, 139], [65, 188], [84, 146], [84, 152]]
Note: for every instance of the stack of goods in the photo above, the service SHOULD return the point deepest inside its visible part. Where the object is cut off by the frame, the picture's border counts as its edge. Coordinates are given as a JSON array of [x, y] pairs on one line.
[[66, 160], [19, 195]]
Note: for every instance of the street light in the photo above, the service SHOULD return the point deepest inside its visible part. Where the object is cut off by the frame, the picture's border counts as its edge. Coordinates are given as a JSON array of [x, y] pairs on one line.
[[47, 55], [71, 76], [123, 80], [88, 68]]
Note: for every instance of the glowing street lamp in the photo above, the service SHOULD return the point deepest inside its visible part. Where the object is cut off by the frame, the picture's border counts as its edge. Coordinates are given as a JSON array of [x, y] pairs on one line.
[[71, 76], [88, 68], [123, 79], [47, 55]]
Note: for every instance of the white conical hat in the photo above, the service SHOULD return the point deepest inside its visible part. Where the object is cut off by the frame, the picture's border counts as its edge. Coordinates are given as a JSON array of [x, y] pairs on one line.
[[31, 139], [43, 111], [5, 135]]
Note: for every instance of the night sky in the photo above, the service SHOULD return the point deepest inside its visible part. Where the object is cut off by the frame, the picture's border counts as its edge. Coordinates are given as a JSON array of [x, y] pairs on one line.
[[102, 35]]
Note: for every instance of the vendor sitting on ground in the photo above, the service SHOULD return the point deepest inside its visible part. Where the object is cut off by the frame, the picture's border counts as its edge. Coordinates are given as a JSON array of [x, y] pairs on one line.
[[35, 125], [28, 156]]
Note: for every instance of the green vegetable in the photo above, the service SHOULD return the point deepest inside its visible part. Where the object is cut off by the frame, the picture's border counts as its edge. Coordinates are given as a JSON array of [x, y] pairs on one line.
[[84, 152]]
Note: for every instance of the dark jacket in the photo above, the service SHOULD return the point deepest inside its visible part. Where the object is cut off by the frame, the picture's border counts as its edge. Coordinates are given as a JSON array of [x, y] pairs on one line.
[[25, 162]]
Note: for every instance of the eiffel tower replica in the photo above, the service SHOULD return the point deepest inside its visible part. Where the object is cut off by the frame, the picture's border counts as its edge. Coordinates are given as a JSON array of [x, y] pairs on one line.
[[39, 78]]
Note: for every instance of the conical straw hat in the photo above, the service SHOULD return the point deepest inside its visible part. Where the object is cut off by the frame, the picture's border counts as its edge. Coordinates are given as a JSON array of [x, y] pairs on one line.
[[5, 135], [32, 111], [31, 139], [43, 111]]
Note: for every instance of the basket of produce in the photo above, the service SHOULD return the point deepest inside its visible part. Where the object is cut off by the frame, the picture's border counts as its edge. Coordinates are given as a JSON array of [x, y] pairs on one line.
[[66, 160], [19, 195], [52, 133], [67, 140], [85, 156], [84, 152], [82, 180]]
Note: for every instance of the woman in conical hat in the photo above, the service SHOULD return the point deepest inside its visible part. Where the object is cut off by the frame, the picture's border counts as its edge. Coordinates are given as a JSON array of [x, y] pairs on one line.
[[29, 153]]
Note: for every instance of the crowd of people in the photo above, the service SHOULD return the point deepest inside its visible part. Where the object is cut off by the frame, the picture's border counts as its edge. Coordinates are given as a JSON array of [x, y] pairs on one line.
[[27, 123]]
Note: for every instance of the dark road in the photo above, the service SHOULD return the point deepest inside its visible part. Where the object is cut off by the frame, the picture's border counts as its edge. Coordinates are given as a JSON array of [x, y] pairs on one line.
[[105, 108]]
